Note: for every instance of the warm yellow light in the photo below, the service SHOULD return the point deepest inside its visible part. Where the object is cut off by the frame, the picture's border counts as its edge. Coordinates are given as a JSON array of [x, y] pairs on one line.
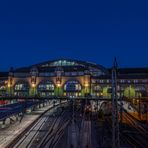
[[9, 85], [33, 85], [86, 84], [58, 85]]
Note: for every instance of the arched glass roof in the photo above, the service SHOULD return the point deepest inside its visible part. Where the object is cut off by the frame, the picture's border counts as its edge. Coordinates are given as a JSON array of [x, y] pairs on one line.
[[68, 65], [60, 63]]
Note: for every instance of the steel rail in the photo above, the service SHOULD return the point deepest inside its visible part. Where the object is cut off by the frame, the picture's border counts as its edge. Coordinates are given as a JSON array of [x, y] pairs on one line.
[[20, 138]]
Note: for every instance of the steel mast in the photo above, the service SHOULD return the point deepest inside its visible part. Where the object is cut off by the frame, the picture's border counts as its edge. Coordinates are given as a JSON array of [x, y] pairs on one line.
[[115, 123]]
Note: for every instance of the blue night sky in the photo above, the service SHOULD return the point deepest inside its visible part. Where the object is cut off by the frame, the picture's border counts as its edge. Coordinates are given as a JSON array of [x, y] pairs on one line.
[[33, 31]]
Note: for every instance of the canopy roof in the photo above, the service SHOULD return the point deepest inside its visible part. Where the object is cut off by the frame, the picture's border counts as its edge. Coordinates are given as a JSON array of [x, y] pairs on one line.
[[66, 64]]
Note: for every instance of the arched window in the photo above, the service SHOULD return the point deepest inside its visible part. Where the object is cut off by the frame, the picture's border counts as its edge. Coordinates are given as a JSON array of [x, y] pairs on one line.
[[72, 89], [72, 86], [46, 88], [21, 88], [97, 90], [2, 89]]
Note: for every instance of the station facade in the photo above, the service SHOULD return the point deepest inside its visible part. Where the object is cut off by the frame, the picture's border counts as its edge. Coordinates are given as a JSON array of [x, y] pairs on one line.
[[72, 78]]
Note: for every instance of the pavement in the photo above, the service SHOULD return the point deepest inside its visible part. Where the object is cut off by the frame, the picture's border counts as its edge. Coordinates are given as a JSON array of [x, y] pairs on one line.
[[8, 134]]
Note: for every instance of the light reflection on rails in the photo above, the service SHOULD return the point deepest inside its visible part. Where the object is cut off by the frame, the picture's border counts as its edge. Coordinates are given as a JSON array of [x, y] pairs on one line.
[[27, 139]]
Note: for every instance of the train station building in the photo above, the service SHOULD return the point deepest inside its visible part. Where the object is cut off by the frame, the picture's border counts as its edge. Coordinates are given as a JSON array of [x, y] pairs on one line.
[[72, 78]]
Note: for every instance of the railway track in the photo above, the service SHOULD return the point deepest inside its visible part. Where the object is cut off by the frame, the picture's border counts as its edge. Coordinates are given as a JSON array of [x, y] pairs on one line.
[[86, 137], [30, 135], [85, 133], [28, 138], [138, 136], [55, 132], [134, 135]]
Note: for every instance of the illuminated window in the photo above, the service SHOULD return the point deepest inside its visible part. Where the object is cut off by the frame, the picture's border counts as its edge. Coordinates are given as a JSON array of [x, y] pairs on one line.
[[21, 87], [97, 88], [63, 63], [129, 81], [2, 87], [135, 81], [101, 81], [81, 73], [72, 86], [67, 73], [122, 81], [73, 73], [46, 86]]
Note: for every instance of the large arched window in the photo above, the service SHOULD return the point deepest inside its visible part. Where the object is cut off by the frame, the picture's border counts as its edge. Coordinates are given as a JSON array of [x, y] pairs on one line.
[[21, 88], [2, 89], [72, 86], [97, 90], [46, 88], [72, 89]]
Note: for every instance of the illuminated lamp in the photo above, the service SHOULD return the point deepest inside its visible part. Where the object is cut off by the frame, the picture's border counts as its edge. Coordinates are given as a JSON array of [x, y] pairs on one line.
[[9, 85], [137, 101], [58, 84], [33, 85], [101, 94], [86, 84]]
